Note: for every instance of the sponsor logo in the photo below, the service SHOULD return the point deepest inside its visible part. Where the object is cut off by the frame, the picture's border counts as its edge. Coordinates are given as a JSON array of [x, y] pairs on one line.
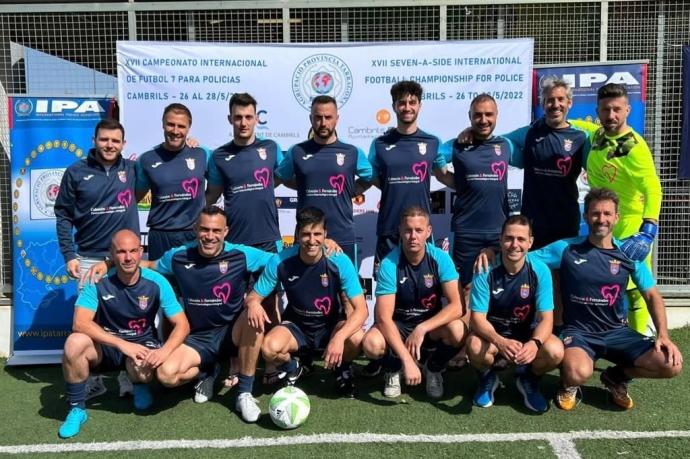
[[499, 168], [321, 74], [23, 107], [88, 177], [420, 170], [337, 182], [539, 139], [137, 326], [156, 164], [402, 281], [125, 198], [229, 157], [68, 106], [323, 305], [564, 165], [262, 176], [189, 265], [521, 311], [610, 293], [107, 297], [609, 171], [191, 186], [498, 291], [430, 301], [579, 261], [293, 278], [307, 157], [222, 291], [390, 147]]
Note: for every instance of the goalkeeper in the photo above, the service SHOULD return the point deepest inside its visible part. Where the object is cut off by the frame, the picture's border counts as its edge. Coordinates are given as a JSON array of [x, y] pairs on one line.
[[620, 160]]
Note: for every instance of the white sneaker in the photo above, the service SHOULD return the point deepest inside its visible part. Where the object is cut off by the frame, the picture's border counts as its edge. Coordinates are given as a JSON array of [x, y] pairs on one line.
[[434, 383], [391, 388], [248, 407], [95, 386], [126, 386]]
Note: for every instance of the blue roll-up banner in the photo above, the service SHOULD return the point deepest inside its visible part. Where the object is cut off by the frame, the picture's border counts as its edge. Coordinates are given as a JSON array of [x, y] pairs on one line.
[[46, 135], [586, 80], [684, 158]]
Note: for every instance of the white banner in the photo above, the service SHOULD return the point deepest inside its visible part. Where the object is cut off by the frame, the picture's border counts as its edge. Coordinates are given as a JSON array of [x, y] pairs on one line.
[[285, 78]]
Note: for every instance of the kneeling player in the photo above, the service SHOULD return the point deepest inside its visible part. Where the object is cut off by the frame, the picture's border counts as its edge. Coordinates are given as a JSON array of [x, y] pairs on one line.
[[114, 329], [314, 318], [504, 303], [409, 313], [594, 273]]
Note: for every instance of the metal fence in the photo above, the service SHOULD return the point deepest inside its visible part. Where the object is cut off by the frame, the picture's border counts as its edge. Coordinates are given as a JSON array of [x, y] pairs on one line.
[[563, 30]]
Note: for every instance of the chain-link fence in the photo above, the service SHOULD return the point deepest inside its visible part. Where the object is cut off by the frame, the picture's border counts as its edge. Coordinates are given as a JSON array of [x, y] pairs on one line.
[[564, 31]]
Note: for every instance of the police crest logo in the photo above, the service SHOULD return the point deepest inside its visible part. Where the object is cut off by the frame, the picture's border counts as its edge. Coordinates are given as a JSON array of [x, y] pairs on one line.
[[340, 158], [567, 144], [143, 302], [614, 266], [223, 267], [422, 148], [324, 280], [122, 175], [524, 291], [428, 280], [262, 153], [191, 163]]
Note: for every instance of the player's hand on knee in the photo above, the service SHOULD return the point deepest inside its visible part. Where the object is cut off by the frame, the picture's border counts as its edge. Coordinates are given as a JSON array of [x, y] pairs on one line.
[[413, 343], [136, 352], [638, 246], [527, 353], [413, 375], [509, 348], [670, 350], [257, 317], [155, 358], [333, 355]]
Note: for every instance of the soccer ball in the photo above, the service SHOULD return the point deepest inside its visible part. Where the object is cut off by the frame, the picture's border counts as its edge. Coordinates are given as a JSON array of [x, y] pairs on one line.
[[289, 408]]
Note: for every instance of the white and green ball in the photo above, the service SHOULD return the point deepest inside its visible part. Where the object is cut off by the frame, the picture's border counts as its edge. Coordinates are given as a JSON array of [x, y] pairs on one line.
[[289, 408]]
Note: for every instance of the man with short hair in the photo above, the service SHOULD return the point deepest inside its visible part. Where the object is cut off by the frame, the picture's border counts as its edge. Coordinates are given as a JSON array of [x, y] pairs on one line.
[[506, 302], [316, 317], [175, 173], [114, 329], [96, 200], [324, 171], [410, 316], [620, 160], [594, 273]]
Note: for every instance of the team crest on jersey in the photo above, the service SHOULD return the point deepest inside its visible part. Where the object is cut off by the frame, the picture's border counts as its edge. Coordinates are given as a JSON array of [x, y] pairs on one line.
[[428, 280], [324, 280], [143, 302], [122, 175], [524, 291], [340, 158], [223, 267], [262, 153], [422, 148], [567, 144], [497, 150], [614, 266], [191, 164]]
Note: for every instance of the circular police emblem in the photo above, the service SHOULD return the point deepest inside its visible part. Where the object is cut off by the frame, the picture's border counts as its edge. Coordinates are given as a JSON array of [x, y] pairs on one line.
[[322, 74], [23, 107], [44, 191]]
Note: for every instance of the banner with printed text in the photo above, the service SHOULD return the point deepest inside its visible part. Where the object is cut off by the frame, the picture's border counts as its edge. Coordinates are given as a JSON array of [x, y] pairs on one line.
[[47, 135]]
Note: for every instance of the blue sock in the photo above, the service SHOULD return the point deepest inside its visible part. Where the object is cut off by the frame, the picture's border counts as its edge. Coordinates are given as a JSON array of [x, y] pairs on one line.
[[76, 394], [246, 384], [289, 366]]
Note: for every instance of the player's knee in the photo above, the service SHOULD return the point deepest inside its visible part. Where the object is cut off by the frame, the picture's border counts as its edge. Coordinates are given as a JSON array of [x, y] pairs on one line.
[[475, 347], [355, 341], [576, 372], [167, 374], [76, 346], [670, 371], [553, 351], [373, 345], [270, 349], [455, 335]]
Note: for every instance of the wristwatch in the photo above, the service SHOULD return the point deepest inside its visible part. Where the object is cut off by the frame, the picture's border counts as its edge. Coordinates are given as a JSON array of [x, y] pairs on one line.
[[538, 342]]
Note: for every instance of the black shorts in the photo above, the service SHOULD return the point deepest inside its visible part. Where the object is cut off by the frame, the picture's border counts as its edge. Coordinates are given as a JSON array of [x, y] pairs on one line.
[[308, 343], [113, 360], [213, 344], [406, 328], [466, 247], [621, 346], [160, 241]]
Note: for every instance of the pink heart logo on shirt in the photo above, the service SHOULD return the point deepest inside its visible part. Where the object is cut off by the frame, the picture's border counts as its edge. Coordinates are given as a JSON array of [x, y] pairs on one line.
[[499, 168], [125, 198], [610, 293], [222, 291], [420, 169], [521, 311], [430, 301], [323, 305], [262, 175], [137, 325], [191, 186], [337, 182], [564, 165]]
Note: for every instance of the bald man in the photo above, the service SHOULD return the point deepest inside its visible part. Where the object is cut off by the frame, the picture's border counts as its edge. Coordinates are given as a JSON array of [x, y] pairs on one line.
[[113, 329]]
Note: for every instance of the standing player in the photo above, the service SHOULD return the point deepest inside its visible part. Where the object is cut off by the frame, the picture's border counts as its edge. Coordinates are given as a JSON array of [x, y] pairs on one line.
[[96, 199], [594, 274], [402, 160], [620, 160], [316, 316], [505, 302], [175, 174], [324, 171], [114, 329], [410, 314]]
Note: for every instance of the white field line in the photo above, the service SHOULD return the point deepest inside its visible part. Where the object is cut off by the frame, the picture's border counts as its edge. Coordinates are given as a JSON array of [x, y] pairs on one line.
[[562, 443]]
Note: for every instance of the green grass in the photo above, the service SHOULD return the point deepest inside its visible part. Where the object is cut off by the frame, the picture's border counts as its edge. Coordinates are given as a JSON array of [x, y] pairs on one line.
[[32, 408]]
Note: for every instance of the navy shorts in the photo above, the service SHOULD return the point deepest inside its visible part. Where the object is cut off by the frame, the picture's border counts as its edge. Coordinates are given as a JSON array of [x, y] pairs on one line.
[[113, 360], [384, 246], [406, 329], [160, 241], [351, 251], [213, 344], [307, 342], [466, 247], [621, 346]]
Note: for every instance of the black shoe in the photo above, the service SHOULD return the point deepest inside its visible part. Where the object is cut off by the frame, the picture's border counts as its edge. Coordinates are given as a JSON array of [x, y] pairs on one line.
[[291, 378], [345, 385], [372, 369]]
